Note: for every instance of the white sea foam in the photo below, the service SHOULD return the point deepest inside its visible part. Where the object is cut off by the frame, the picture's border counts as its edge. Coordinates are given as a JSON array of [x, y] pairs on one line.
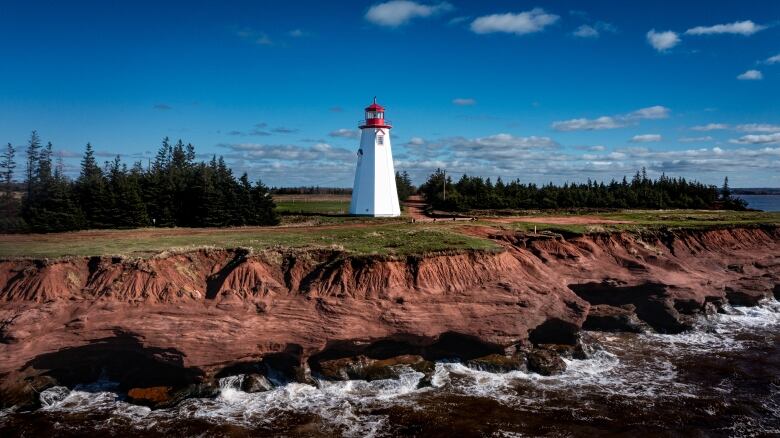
[[720, 332]]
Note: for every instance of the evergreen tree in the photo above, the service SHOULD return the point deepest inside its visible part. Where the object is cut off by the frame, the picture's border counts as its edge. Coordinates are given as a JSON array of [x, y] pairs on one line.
[[642, 192], [403, 183], [33, 148], [7, 166], [93, 194], [725, 192], [264, 208], [10, 207], [49, 205]]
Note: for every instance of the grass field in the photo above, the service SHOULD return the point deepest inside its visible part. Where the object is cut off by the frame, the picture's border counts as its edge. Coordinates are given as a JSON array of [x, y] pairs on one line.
[[312, 204], [393, 239], [315, 222], [639, 220]]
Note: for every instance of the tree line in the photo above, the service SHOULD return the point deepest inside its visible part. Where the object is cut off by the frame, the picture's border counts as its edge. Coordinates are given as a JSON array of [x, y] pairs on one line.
[[474, 192], [404, 186], [173, 190]]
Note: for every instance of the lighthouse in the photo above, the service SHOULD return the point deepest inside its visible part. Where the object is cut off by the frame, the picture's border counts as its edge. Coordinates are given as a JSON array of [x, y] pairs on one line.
[[374, 192]]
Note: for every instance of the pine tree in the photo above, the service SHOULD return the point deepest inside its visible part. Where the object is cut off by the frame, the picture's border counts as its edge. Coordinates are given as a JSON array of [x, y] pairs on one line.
[[10, 207], [7, 164], [33, 147], [264, 206], [246, 208], [93, 195], [403, 185], [725, 192]]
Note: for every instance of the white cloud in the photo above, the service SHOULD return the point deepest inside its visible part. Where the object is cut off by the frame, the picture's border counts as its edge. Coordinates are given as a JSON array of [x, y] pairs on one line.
[[651, 112], [508, 141], [522, 23], [464, 101], [398, 12], [297, 33], [612, 122], [596, 148], [758, 127], [695, 139], [345, 133], [751, 75], [594, 31], [586, 31], [646, 138], [773, 59], [417, 141], [710, 127], [758, 139], [746, 28], [603, 122], [662, 41], [320, 152]]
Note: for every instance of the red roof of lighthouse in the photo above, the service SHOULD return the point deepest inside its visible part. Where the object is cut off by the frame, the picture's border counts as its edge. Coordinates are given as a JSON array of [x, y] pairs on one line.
[[375, 106]]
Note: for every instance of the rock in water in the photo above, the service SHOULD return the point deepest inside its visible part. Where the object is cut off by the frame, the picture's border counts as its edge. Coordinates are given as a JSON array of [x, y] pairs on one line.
[[256, 383], [152, 397], [497, 363], [545, 362], [608, 318]]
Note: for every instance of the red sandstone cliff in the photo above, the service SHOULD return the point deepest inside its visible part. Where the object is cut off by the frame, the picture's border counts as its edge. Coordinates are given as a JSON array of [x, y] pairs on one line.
[[189, 316]]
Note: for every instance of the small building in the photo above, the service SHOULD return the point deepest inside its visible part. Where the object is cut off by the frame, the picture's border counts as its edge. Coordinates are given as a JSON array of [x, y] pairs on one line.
[[374, 192]]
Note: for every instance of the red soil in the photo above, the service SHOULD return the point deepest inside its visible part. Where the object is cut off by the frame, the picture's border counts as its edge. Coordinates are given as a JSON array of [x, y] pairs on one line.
[[211, 309]]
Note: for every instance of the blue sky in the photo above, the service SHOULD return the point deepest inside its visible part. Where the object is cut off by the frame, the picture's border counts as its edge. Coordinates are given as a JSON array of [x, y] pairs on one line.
[[540, 91]]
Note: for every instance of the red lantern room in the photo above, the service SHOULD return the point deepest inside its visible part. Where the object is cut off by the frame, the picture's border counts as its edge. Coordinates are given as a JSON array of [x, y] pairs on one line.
[[375, 117]]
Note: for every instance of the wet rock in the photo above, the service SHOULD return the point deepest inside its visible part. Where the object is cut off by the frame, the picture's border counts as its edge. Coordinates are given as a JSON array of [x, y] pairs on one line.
[[340, 369], [255, 383], [652, 302], [302, 374], [152, 397], [578, 351], [497, 363], [197, 390], [391, 368], [363, 368], [555, 331], [425, 382], [603, 317], [25, 393], [545, 362], [749, 292]]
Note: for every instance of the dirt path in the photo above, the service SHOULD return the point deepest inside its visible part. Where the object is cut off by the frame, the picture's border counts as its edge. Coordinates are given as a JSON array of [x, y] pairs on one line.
[[415, 206]]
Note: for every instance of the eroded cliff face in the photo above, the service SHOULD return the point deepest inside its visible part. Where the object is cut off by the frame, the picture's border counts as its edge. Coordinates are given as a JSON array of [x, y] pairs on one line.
[[182, 319]]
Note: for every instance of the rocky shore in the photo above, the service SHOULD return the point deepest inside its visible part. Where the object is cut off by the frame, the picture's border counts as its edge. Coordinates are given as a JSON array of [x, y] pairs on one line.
[[173, 326]]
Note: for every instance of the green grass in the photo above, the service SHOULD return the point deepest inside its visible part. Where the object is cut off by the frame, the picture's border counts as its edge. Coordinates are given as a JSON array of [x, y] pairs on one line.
[[388, 240], [359, 236], [528, 227], [312, 207], [648, 220], [695, 218]]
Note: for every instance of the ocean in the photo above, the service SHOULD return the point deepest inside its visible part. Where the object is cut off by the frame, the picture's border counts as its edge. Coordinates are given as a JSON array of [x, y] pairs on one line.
[[720, 379], [762, 202]]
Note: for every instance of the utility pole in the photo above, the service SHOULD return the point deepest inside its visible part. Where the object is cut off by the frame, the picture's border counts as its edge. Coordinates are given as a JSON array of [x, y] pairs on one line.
[[445, 185]]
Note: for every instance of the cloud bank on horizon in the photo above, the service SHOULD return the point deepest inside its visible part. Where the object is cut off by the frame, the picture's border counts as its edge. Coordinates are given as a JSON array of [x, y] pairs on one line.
[[557, 91]]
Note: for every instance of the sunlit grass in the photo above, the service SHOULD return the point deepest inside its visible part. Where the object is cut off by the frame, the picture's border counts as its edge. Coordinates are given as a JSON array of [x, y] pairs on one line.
[[394, 239]]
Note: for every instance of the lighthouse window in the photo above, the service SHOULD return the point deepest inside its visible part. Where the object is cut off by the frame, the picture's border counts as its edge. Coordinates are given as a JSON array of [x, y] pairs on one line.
[[380, 139]]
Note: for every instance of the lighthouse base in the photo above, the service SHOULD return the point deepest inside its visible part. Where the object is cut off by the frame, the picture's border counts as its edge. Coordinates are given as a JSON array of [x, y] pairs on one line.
[[376, 215]]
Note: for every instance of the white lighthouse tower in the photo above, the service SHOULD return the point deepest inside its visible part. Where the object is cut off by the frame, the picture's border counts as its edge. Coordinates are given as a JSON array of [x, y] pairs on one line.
[[374, 192]]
